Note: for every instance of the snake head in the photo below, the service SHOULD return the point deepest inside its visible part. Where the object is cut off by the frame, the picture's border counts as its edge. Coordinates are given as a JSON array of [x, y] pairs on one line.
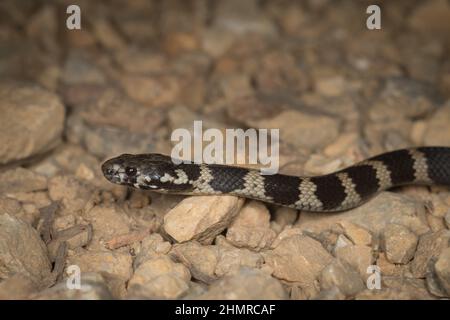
[[143, 171]]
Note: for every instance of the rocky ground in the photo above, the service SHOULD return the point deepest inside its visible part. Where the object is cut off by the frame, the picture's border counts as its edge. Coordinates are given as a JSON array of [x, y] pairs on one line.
[[69, 99]]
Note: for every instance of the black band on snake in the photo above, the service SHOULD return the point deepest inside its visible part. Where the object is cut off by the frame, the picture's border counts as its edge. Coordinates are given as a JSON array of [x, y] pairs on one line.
[[342, 190]]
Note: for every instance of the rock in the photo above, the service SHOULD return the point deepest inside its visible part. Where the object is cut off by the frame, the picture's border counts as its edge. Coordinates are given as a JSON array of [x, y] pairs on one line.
[[73, 193], [390, 269], [318, 165], [201, 218], [141, 61], [93, 287], [358, 256], [107, 222], [22, 251], [435, 223], [330, 294], [11, 206], [431, 17], [106, 34], [430, 246], [201, 260], [437, 131], [375, 215], [232, 259], [243, 17], [342, 276], [21, 180], [402, 98], [279, 74], [251, 227], [110, 263], [254, 108], [31, 123], [399, 243], [284, 216], [216, 42], [17, 287], [81, 68], [100, 121], [69, 158], [287, 232], [342, 241], [30, 202], [159, 278], [183, 117], [298, 259], [356, 234], [151, 246], [209, 262], [447, 219], [442, 270], [344, 144], [311, 127], [418, 132], [95, 139], [397, 288], [153, 91], [248, 284], [175, 43], [330, 86]]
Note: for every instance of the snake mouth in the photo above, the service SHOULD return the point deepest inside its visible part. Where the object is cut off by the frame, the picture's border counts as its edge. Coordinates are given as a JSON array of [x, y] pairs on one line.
[[113, 173]]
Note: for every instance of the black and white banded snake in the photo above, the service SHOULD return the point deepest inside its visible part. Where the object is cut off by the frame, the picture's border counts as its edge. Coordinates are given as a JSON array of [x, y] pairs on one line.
[[338, 191]]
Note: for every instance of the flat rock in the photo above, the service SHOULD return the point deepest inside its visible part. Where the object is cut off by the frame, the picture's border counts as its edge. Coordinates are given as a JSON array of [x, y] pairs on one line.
[[356, 234], [298, 258], [158, 90], [17, 287], [399, 243], [358, 256], [251, 227], [310, 126], [93, 287], [31, 123], [209, 262], [111, 263], [73, 193], [397, 288], [447, 219], [201, 218], [402, 97], [429, 247], [22, 251], [248, 284], [431, 17], [200, 259], [442, 270], [342, 276], [150, 247], [159, 277], [374, 215], [107, 222], [21, 180]]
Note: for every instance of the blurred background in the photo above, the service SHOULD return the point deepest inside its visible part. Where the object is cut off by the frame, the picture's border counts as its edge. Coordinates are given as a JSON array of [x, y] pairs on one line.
[[137, 70]]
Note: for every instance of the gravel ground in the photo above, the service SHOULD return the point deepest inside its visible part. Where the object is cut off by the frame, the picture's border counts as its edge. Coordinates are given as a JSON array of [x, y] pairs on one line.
[[70, 99]]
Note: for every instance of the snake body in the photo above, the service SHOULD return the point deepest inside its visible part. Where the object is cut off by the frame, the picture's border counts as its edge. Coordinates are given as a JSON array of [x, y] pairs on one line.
[[341, 190]]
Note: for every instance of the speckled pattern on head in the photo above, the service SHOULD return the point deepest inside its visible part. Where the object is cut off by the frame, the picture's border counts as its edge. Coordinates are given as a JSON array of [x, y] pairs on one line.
[[342, 190]]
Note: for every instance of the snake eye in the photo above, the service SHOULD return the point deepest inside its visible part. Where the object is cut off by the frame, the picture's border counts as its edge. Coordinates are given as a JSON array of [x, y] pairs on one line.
[[130, 171]]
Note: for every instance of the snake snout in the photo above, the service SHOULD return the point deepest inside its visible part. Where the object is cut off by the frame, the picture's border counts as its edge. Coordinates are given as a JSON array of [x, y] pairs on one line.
[[110, 171]]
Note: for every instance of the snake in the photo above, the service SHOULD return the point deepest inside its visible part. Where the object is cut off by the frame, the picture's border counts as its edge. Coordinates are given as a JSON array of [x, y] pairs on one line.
[[338, 191]]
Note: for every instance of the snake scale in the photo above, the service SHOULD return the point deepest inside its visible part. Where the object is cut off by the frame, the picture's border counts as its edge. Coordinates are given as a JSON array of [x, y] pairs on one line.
[[338, 191]]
